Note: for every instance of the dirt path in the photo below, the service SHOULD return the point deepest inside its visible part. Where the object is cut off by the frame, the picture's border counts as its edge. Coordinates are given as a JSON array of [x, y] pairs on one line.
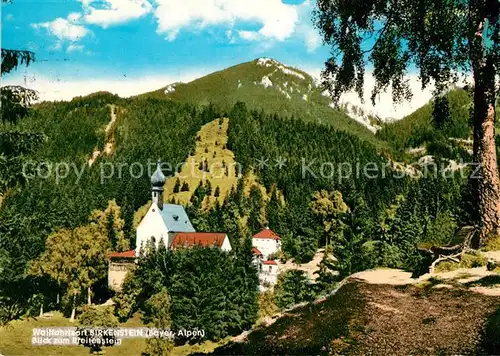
[[108, 146], [309, 268], [469, 277]]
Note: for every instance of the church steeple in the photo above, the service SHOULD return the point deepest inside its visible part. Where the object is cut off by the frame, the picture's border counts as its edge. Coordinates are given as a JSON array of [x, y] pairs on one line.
[[157, 182]]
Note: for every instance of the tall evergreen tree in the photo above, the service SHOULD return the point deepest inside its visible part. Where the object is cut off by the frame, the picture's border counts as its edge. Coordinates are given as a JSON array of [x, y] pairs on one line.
[[159, 314], [243, 292], [440, 112], [293, 287], [256, 220], [177, 186]]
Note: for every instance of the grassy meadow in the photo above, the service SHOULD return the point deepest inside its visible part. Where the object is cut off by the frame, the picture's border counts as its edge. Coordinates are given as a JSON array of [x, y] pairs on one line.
[[15, 340]]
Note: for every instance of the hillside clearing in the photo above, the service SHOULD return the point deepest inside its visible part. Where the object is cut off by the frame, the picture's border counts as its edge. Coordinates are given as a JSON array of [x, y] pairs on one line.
[[211, 161], [221, 169], [109, 137]]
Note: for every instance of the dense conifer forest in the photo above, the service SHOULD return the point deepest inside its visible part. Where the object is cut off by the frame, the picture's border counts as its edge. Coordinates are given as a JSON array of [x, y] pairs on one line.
[[315, 198]]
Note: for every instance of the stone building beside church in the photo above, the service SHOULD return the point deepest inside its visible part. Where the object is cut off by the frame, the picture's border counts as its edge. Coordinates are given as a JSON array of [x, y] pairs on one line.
[[266, 244]]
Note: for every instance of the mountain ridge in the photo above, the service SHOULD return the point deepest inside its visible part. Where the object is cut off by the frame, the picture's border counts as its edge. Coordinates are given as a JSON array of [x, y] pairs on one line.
[[269, 85]]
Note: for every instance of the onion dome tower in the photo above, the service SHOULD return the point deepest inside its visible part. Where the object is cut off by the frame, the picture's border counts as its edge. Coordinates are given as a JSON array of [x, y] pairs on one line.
[[157, 185]]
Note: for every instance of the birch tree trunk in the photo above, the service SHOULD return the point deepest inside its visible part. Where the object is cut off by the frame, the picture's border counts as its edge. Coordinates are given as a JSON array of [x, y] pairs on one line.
[[485, 156], [89, 295], [73, 311]]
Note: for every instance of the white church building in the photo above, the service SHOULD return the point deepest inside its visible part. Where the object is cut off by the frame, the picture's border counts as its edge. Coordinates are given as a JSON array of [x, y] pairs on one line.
[[163, 222], [170, 223]]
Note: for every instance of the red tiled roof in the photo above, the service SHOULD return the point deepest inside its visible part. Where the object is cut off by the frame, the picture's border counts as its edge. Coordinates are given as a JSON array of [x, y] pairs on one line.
[[125, 254], [256, 251], [271, 262], [205, 239], [266, 234]]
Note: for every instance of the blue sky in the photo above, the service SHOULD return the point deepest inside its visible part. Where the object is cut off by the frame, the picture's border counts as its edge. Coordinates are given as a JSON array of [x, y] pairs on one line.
[[110, 38], [133, 46]]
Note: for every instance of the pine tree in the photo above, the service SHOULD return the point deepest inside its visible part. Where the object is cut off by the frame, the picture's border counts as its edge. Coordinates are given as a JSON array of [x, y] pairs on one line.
[[177, 186], [440, 112], [274, 211], [15, 99], [158, 312], [111, 225], [243, 289], [199, 195], [126, 300], [256, 220], [239, 193], [327, 272], [98, 317], [293, 287], [208, 187]]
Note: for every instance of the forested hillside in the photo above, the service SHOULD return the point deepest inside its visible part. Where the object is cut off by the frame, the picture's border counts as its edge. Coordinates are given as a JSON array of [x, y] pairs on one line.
[[386, 212], [268, 85], [147, 130], [418, 128], [442, 128], [316, 183]]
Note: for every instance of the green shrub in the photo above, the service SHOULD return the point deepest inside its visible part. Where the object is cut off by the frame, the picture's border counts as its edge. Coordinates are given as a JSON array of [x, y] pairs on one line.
[[472, 260], [469, 260], [267, 304], [492, 244], [97, 317], [293, 287], [126, 299]]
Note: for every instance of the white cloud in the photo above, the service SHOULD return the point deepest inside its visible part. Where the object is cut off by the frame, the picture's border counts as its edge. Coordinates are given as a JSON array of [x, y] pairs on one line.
[[305, 28], [312, 39], [249, 35], [64, 29], [74, 16], [55, 87], [384, 106], [114, 12], [277, 20], [74, 48]]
